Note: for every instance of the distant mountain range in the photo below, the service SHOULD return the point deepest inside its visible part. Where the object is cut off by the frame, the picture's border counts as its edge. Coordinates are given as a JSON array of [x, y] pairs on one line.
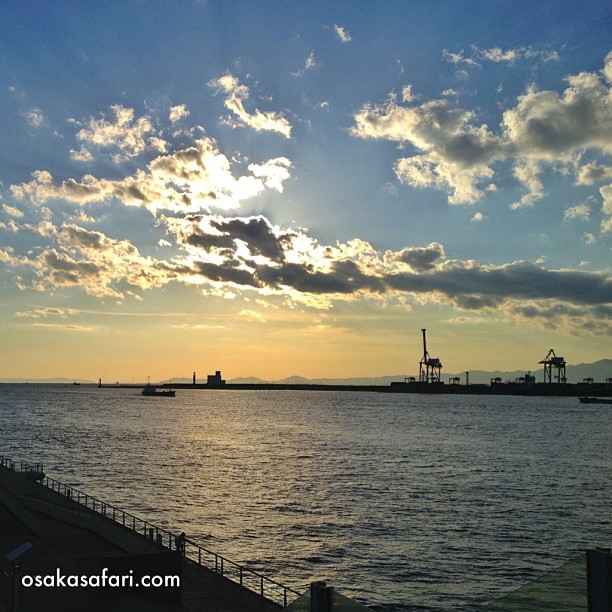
[[598, 371]]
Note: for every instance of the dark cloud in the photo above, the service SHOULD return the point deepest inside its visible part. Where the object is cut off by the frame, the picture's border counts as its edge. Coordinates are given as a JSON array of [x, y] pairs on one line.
[[258, 235], [87, 239], [520, 280], [227, 273], [221, 235], [419, 259], [66, 271], [345, 277]]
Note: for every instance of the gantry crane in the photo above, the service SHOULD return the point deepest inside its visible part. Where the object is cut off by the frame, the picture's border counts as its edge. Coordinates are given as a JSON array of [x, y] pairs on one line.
[[429, 367], [552, 361]]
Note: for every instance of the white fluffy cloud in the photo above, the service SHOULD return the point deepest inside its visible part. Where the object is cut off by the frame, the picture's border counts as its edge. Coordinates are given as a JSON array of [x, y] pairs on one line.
[[456, 153], [196, 178], [178, 112], [127, 135]]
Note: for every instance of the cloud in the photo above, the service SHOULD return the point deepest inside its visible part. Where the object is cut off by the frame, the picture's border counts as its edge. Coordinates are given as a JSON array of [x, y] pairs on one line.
[[342, 34], [592, 172], [489, 285], [252, 315], [498, 55], [64, 326], [230, 255], [178, 112], [547, 126], [454, 152], [527, 172], [511, 56], [12, 211], [310, 61], [407, 94], [253, 253], [606, 209], [34, 116], [92, 262], [237, 94], [419, 259], [606, 194], [189, 180], [457, 58], [43, 313], [82, 155], [190, 190], [131, 136], [581, 212], [234, 238]]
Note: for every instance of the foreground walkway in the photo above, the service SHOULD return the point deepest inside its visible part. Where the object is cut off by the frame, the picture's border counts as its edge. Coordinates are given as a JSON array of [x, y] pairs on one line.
[[25, 509]]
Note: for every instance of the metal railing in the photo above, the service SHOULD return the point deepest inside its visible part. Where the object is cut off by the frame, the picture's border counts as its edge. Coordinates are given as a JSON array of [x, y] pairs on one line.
[[249, 579], [20, 466]]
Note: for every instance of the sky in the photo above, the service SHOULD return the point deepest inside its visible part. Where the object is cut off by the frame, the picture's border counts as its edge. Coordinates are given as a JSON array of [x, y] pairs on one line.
[[277, 188]]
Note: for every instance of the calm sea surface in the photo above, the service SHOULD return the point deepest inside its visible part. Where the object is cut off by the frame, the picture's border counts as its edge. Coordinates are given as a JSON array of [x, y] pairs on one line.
[[404, 502]]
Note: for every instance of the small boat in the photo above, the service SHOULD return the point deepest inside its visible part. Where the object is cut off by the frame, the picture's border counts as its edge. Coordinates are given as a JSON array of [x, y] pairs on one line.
[[595, 400], [151, 391]]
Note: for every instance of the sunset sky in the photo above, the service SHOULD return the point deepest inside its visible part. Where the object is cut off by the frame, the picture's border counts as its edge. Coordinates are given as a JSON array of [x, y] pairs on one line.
[[276, 188]]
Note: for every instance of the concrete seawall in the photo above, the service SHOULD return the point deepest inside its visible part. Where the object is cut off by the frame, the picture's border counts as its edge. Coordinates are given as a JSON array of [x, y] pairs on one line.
[[74, 540]]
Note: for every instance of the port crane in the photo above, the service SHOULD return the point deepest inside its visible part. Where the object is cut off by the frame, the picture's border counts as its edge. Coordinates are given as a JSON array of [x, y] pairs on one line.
[[429, 367], [552, 361]]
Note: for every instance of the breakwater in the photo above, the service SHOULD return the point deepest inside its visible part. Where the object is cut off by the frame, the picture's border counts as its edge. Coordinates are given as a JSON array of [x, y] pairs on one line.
[[503, 388]]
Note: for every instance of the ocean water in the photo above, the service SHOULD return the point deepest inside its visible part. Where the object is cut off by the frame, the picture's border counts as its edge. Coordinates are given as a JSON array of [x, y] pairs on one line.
[[403, 502]]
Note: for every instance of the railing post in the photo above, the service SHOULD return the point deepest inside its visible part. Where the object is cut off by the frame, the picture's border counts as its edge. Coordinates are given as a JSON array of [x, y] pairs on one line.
[[321, 597], [599, 579], [262, 588]]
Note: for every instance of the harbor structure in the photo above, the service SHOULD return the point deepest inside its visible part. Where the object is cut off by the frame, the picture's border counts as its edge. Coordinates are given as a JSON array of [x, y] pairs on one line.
[[430, 368], [558, 363], [215, 380]]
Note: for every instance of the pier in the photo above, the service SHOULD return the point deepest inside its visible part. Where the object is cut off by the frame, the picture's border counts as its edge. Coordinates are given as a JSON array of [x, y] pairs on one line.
[[66, 531]]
